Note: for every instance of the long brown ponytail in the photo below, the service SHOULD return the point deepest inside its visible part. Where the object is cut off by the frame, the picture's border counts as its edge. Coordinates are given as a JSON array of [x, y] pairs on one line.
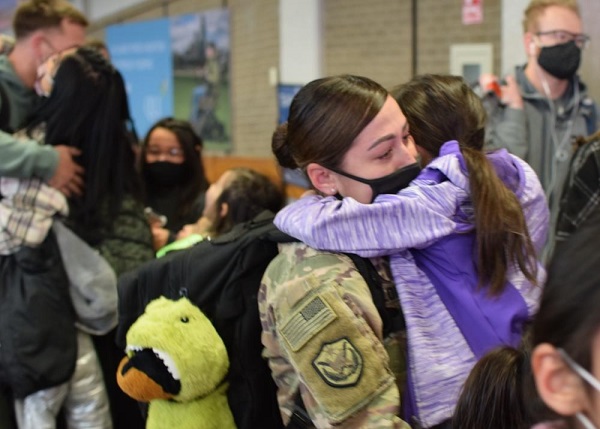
[[443, 108]]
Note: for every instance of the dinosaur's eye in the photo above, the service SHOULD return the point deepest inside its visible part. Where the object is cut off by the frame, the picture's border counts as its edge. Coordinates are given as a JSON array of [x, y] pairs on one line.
[[184, 319]]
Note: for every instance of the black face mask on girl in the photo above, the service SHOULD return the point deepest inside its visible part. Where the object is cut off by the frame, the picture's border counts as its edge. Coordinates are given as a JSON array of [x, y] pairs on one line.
[[162, 173], [390, 184], [561, 61]]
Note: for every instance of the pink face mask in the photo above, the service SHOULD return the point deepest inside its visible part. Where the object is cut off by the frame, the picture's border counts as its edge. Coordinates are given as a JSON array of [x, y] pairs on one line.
[[47, 70]]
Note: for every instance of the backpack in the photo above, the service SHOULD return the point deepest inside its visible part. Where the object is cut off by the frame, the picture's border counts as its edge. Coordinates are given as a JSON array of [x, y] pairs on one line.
[[38, 337], [222, 278]]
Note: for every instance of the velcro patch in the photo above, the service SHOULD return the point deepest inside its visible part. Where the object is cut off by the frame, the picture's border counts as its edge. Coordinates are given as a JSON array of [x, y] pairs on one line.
[[306, 322], [339, 363]]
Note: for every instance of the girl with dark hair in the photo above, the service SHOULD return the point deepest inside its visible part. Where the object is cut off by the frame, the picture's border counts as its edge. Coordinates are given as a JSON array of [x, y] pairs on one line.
[[496, 392], [238, 196], [86, 108], [462, 237], [83, 106], [171, 165], [566, 331], [556, 379]]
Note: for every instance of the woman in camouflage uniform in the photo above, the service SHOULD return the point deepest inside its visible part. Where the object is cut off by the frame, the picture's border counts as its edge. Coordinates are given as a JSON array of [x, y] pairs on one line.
[[322, 333]]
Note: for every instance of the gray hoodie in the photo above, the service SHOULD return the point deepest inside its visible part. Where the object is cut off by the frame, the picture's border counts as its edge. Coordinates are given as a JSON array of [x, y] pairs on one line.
[[543, 133]]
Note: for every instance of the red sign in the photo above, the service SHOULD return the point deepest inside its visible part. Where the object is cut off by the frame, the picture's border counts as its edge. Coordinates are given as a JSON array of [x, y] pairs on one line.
[[472, 12]]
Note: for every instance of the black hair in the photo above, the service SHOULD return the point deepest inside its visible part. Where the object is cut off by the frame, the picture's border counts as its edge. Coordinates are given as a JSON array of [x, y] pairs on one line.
[[247, 194], [496, 392], [194, 179], [86, 110], [568, 319]]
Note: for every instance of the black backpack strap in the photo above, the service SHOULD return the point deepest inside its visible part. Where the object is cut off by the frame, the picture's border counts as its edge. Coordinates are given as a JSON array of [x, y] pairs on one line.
[[385, 296], [4, 111], [299, 418]]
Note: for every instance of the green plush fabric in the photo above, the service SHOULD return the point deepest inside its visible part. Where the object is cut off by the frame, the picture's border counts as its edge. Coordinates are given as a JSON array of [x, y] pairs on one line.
[[177, 362]]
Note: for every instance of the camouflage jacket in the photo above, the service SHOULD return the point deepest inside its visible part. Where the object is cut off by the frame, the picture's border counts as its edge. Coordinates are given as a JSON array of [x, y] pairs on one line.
[[322, 337]]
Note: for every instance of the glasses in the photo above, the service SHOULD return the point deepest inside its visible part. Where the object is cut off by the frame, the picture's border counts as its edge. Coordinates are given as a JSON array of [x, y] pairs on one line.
[[172, 153], [563, 36]]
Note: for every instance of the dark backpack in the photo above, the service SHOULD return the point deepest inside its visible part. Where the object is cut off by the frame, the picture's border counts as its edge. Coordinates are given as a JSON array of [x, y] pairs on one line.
[[222, 278], [38, 338]]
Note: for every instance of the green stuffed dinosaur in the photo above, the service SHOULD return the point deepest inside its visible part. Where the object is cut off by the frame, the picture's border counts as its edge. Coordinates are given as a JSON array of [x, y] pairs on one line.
[[177, 362]]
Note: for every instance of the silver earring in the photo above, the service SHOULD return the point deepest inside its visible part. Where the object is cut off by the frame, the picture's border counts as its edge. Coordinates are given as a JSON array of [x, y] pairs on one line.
[[333, 191]]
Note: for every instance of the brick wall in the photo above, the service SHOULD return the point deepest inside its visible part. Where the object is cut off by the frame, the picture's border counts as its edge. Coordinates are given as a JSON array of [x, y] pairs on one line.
[[255, 49], [590, 10], [371, 38], [440, 25]]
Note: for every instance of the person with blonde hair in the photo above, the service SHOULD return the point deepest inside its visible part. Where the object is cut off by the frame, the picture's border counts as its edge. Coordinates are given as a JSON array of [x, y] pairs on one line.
[[544, 106], [42, 28]]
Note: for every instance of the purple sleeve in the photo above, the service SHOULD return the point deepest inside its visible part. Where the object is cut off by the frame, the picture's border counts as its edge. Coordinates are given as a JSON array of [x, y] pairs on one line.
[[415, 218]]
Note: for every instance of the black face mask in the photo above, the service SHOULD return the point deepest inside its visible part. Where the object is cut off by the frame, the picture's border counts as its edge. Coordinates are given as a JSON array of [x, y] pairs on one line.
[[163, 173], [561, 61], [390, 184]]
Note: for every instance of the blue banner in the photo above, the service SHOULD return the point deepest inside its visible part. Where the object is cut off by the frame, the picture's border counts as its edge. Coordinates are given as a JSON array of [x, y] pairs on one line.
[[7, 10], [142, 53], [285, 95]]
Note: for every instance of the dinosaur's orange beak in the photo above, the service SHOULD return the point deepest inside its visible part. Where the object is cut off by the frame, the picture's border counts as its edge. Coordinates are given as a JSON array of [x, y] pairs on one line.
[[138, 384]]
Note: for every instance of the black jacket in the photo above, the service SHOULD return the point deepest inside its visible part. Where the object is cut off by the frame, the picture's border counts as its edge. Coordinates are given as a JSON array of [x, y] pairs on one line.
[[38, 344]]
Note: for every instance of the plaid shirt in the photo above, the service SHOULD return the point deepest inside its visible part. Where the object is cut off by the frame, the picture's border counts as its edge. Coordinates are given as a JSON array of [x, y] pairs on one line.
[[27, 209], [581, 193]]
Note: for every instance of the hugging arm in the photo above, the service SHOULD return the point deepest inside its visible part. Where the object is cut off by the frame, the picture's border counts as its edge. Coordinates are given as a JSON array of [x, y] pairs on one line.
[[414, 218]]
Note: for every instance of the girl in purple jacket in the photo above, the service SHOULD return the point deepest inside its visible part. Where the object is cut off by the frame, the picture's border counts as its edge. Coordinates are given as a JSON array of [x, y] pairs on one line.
[[462, 238]]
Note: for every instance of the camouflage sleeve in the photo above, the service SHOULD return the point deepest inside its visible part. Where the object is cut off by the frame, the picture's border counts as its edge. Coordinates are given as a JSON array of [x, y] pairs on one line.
[[321, 333]]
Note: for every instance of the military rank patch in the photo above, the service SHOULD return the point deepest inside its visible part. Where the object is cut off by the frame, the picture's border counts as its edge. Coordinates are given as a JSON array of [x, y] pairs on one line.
[[338, 363], [306, 322]]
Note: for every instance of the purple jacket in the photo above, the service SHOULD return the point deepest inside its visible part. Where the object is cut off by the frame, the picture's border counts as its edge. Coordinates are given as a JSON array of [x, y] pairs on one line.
[[427, 229]]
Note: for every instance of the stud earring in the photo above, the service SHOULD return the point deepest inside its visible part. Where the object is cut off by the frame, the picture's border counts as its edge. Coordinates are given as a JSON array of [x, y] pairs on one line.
[[333, 191]]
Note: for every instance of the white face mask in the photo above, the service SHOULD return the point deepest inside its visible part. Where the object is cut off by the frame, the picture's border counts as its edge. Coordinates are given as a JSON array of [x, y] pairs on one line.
[[592, 381], [46, 71]]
